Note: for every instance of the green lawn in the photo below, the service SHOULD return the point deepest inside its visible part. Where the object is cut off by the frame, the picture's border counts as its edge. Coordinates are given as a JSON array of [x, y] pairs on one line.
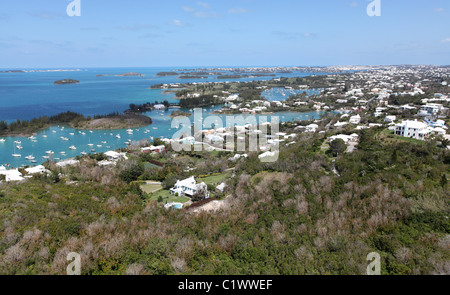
[[167, 197], [150, 188], [390, 136], [215, 179]]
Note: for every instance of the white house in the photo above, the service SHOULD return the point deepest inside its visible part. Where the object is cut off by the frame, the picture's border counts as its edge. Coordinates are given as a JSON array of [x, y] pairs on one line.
[[390, 119], [157, 149], [188, 187], [69, 162], [430, 109], [11, 175], [413, 129], [355, 119], [159, 107], [37, 170], [112, 155], [311, 128]]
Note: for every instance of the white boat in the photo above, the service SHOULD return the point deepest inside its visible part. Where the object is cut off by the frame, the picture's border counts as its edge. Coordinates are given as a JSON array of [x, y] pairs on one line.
[[72, 133], [104, 142], [46, 157], [16, 155], [2, 140], [99, 145], [19, 147], [64, 138], [129, 130], [62, 153], [18, 142], [83, 153], [44, 136], [50, 152], [90, 144], [33, 161], [83, 133], [91, 131], [31, 137], [53, 131], [30, 157], [72, 147], [118, 135]]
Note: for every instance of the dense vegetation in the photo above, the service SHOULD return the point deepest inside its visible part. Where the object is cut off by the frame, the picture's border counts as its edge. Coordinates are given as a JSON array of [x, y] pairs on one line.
[[294, 216], [35, 124]]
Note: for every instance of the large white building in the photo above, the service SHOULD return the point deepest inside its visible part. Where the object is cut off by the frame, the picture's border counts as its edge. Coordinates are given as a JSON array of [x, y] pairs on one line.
[[188, 187], [413, 129]]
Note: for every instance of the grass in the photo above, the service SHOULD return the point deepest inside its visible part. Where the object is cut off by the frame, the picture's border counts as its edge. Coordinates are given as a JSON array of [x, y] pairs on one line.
[[150, 188], [391, 137], [215, 179], [167, 197]]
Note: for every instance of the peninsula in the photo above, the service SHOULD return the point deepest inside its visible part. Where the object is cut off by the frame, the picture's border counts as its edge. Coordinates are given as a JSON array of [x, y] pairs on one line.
[[75, 120]]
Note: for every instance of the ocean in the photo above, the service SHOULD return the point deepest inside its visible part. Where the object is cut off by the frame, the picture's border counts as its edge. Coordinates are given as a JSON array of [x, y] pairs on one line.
[[32, 94]]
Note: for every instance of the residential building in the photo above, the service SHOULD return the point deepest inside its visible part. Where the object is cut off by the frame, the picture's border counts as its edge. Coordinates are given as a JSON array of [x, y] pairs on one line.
[[413, 129], [188, 187]]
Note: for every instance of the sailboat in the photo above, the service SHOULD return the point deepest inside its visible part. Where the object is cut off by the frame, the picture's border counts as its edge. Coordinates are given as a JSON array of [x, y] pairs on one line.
[[2, 140], [72, 147], [30, 157], [16, 155]]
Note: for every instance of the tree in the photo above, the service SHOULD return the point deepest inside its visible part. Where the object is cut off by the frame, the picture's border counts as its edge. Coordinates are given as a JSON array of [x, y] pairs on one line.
[[443, 180], [338, 146]]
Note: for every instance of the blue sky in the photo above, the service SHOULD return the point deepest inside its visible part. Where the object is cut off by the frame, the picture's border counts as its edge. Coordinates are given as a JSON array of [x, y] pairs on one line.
[[120, 33]]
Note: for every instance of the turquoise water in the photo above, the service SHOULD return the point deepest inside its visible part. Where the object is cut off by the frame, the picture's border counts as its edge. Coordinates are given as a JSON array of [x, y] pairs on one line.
[[27, 95], [281, 94]]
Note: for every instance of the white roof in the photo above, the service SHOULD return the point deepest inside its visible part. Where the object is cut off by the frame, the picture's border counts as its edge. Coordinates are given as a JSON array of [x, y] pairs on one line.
[[67, 162], [188, 182], [12, 175], [413, 124], [36, 170]]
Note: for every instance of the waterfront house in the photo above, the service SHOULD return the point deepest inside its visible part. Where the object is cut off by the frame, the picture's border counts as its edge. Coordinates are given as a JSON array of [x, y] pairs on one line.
[[156, 149], [11, 175]]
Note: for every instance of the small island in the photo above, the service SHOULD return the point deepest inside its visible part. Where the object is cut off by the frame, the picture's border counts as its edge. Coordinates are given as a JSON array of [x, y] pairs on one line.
[[132, 74], [164, 74], [66, 81]]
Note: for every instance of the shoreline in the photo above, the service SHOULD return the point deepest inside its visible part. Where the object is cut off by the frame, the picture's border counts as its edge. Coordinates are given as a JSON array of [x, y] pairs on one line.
[[108, 123]]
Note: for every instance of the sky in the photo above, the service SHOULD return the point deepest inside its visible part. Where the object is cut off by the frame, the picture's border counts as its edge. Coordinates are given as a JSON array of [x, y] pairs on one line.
[[150, 33]]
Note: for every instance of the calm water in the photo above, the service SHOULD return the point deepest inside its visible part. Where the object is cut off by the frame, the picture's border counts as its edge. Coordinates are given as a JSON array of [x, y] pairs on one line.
[[27, 95]]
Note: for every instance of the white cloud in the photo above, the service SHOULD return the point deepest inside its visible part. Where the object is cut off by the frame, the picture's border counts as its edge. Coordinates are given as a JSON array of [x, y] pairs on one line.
[[201, 14], [446, 40], [238, 10], [178, 23], [203, 4], [188, 9]]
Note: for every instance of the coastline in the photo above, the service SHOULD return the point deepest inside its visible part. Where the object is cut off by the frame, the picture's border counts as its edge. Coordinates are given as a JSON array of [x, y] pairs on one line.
[[108, 123]]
